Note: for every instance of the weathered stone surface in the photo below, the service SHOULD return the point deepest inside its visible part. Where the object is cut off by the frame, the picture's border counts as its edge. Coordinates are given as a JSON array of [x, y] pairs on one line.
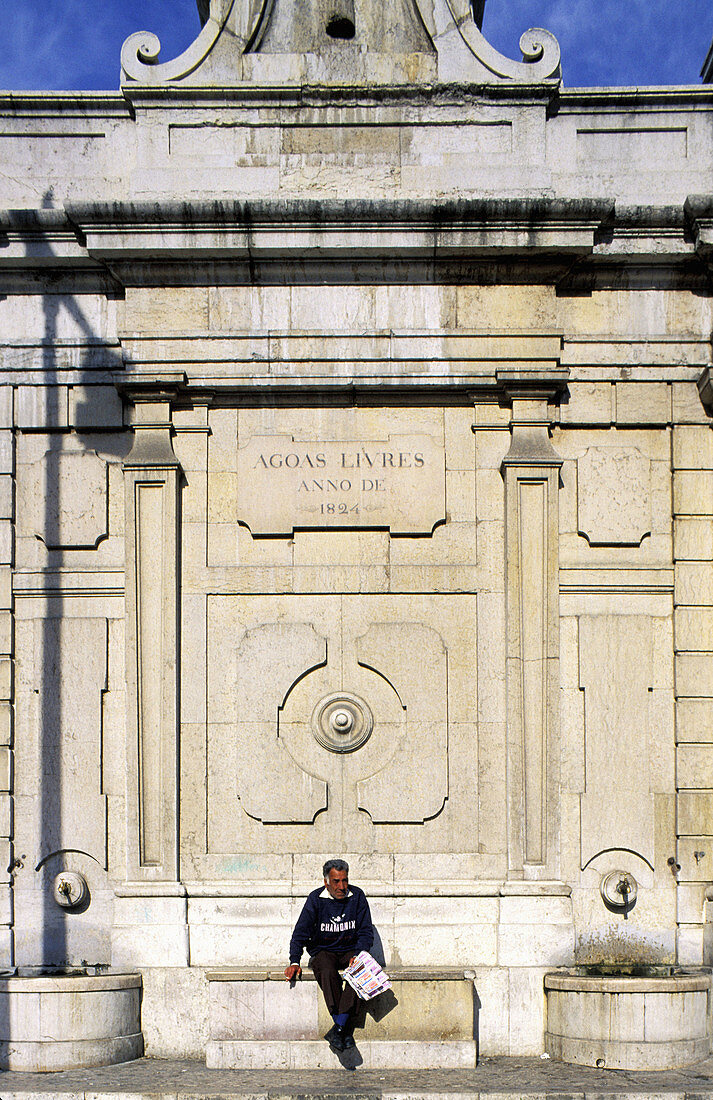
[[287, 258]]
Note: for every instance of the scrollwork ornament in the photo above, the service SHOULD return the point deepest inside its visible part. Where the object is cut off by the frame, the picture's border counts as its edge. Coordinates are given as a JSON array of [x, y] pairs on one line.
[[540, 52], [463, 52], [467, 54], [140, 52]]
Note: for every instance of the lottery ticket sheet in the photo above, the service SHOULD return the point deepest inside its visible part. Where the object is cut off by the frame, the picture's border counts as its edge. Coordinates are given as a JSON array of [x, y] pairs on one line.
[[366, 977]]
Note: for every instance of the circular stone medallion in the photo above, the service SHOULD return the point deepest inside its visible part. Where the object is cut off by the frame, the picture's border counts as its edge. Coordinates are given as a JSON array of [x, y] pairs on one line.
[[342, 722]]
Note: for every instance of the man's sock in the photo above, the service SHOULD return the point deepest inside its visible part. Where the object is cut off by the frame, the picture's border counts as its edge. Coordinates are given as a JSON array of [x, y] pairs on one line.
[[340, 1018]]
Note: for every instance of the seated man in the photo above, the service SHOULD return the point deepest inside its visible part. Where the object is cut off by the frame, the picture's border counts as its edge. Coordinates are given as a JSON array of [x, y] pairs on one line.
[[334, 926]]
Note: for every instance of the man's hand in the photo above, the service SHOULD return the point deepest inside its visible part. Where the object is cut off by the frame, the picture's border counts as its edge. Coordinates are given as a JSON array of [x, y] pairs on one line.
[[292, 972], [352, 960]]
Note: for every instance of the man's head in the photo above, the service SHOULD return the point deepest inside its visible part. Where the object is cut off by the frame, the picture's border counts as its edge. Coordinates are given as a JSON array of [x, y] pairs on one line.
[[336, 878]]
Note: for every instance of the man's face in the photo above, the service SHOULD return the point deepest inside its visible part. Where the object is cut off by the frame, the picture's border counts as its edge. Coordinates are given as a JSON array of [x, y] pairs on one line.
[[337, 883]]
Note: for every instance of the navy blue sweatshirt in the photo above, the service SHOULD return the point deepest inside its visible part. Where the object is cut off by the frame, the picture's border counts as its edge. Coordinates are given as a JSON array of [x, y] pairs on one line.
[[328, 925]]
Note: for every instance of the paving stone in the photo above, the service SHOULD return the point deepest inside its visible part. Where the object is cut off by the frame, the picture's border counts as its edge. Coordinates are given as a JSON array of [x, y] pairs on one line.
[[530, 1078]]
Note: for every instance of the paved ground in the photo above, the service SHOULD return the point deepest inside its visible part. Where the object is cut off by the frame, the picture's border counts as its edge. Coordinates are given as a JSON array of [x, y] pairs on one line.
[[533, 1078]]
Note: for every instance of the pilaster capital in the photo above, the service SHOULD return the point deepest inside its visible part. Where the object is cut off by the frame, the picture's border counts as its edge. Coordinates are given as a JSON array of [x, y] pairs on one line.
[[705, 388], [543, 386], [532, 395], [698, 211], [152, 396], [150, 386]]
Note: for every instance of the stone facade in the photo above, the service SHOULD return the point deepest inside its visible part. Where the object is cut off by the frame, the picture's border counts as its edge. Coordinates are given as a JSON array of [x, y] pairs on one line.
[[362, 375]]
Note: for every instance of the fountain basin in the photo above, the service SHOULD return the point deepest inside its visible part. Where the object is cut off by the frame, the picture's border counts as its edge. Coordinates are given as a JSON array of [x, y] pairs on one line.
[[654, 1020], [63, 1018]]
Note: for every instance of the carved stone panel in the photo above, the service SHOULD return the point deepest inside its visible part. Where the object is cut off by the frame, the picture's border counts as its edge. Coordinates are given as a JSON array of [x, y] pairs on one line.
[[616, 676], [339, 726], [70, 498], [614, 496], [70, 677], [271, 659], [284, 484]]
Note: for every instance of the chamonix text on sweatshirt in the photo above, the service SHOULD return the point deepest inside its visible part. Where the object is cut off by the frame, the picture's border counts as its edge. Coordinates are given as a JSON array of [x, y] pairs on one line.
[[326, 924]]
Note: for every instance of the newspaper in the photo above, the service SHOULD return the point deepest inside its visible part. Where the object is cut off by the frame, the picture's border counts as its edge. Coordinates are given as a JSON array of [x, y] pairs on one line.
[[366, 977]]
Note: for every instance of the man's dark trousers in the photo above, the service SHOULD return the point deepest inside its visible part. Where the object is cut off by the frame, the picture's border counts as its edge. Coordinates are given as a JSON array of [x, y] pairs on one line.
[[339, 996]]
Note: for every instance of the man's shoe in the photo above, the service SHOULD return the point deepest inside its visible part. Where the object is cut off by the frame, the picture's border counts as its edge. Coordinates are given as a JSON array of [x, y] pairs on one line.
[[349, 1043], [336, 1038]]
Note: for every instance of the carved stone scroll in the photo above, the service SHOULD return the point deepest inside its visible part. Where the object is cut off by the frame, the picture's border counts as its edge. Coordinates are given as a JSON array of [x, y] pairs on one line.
[[235, 28]]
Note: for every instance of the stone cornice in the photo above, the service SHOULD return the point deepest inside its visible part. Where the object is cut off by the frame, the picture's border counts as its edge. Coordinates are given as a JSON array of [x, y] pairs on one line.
[[276, 229], [617, 100], [64, 105], [149, 243], [578, 244], [319, 212], [413, 362], [120, 104]]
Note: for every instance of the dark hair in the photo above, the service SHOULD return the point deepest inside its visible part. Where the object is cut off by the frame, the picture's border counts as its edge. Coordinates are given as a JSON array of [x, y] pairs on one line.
[[335, 865]]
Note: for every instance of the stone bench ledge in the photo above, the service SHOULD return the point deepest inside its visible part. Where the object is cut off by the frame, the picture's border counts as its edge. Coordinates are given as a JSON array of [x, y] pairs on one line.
[[396, 974]]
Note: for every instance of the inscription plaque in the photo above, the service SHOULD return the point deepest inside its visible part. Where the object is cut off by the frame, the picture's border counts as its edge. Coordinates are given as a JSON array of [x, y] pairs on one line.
[[285, 484]]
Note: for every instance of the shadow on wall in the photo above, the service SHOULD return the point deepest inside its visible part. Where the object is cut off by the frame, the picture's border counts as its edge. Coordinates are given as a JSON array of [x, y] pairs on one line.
[[69, 441]]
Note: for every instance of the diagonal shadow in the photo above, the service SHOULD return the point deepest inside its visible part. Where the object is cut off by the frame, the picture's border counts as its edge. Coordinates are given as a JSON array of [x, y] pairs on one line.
[[58, 806]]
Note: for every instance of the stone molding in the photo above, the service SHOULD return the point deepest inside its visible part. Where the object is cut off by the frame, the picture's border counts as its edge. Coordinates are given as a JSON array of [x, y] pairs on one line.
[[64, 105], [330, 362], [377, 888]]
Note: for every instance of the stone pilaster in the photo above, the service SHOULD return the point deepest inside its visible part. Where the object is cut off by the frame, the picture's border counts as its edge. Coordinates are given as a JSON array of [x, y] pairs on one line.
[[152, 489], [531, 474]]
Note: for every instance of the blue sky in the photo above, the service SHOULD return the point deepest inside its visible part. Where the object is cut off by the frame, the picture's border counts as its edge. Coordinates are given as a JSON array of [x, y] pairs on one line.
[[609, 42]]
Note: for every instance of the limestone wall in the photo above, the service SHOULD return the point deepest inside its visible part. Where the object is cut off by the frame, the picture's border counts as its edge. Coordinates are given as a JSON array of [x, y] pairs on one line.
[[445, 470]]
